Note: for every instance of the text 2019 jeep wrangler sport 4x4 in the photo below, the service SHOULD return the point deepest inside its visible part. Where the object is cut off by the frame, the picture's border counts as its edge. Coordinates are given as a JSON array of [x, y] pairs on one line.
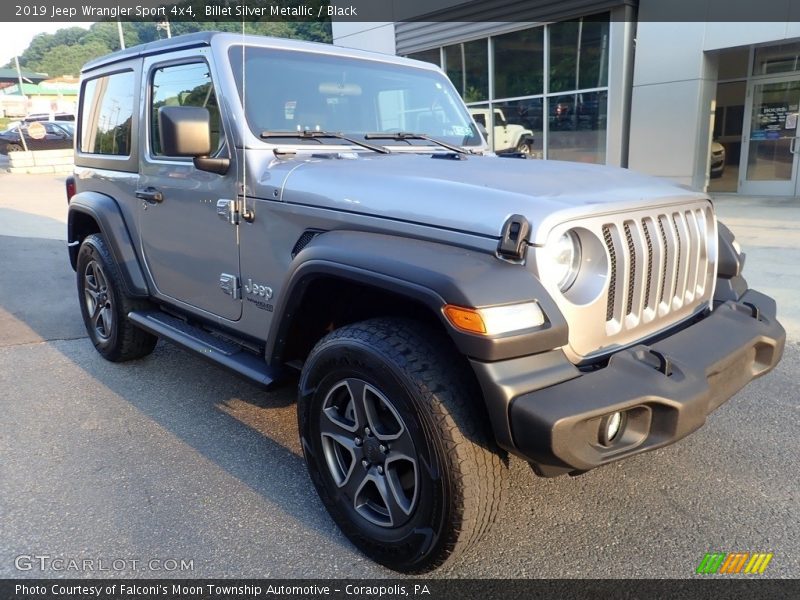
[[275, 205]]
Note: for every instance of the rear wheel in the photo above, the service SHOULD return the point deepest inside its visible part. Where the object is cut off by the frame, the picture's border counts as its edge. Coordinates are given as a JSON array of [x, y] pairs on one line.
[[105, 305], [14, 148], [395, 443]]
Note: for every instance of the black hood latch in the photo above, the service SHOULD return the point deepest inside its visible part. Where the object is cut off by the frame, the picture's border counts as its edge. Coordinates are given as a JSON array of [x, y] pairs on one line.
[[514, 237]]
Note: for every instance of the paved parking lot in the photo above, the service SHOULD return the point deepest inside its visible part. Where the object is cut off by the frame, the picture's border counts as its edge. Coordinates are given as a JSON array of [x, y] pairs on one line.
[[168, 458]]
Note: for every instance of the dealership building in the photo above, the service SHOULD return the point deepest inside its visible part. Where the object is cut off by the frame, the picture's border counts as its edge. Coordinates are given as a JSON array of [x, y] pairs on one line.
[[616, 82]]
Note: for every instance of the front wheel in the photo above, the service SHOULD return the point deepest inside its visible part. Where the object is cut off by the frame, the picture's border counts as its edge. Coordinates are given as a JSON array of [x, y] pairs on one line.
[[524, 147], [395, 443]]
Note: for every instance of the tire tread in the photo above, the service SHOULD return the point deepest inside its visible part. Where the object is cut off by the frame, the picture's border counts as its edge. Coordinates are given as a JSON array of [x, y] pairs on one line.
[[456, 408]]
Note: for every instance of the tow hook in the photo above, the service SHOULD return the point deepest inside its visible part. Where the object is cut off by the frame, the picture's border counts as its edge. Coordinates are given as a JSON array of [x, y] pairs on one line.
[[755, 312], [664, 364]]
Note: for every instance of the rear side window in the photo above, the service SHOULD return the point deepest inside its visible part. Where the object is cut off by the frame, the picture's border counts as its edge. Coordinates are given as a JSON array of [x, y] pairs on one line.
[[106, 113], [183, 85]]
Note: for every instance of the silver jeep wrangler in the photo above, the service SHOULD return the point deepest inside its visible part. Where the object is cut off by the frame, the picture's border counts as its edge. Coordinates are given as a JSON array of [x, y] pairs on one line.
[[280, 207]]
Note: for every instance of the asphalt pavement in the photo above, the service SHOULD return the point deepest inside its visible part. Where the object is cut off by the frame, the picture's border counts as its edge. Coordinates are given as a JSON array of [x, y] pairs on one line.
[[168, 459]]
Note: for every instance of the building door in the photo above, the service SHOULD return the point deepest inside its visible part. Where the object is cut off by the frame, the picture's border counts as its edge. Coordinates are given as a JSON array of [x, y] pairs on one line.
[[770, 159]]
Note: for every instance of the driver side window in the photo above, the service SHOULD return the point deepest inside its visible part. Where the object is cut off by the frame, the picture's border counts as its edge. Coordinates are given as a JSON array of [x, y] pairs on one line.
[[184, 85]]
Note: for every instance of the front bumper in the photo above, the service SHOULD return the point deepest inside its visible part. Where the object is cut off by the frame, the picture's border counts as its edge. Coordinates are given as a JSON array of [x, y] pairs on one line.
[[557, 427]]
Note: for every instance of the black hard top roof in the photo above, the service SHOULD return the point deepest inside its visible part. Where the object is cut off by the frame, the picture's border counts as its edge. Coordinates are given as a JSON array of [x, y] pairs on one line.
[[191, 40]]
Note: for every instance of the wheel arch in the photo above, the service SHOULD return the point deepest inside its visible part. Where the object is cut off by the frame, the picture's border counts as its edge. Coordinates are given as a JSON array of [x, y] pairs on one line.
[[418, 276], [93, 212]]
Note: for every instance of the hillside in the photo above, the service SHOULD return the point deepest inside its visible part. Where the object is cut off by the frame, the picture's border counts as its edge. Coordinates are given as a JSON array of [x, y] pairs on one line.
[[64, 52]]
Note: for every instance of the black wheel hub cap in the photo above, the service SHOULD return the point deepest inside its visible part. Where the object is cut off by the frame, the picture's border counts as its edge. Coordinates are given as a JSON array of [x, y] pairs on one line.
[[372, 451]]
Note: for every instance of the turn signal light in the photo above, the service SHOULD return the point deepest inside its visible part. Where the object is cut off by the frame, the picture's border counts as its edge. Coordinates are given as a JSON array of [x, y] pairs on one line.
[[467, 319]]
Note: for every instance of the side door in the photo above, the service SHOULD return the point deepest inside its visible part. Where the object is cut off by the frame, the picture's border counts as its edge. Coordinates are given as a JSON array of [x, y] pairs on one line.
[[191, 253], [480, 119], [501, 136]]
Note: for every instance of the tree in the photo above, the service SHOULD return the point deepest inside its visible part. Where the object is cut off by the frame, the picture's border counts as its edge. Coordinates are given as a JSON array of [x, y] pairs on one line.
[[68, 60]]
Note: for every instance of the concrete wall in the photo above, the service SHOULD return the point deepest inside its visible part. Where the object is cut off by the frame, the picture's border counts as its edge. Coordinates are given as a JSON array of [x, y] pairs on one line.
[[674, 83], [376, 37], [41, 161]]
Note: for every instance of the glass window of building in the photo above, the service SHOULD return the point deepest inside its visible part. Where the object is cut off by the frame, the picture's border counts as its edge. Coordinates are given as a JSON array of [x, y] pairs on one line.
[[519, 127], [556, 111], [579, 54], [577, 127], [467, 66], [519, 63], [784, 58], [431, 56]]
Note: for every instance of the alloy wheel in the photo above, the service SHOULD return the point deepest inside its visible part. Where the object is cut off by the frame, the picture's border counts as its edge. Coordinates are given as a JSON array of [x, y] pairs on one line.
[[369, 453], [98, 300]]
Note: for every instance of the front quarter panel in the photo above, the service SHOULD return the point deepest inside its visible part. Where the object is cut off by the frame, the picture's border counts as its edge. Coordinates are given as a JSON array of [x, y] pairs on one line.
[[431, 273]]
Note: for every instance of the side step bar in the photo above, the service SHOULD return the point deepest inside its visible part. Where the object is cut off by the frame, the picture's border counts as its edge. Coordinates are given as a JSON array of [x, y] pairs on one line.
[[219, 351]]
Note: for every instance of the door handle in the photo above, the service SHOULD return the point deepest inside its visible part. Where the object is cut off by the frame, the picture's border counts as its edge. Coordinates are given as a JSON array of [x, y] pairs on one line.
[[793, 146], [151, 195]]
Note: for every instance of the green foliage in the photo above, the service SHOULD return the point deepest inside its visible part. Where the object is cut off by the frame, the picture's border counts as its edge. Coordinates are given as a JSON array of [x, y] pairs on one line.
[[67, 60], [65, 51]]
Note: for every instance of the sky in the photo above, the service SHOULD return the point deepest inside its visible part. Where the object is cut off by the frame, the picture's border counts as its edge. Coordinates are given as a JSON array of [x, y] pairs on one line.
[[17, 36]]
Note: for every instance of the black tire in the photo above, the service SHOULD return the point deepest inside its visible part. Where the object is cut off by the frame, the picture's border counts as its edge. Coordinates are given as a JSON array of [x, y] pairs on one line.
[[458, 476], [105, 305], [14, 148], [525, 147]]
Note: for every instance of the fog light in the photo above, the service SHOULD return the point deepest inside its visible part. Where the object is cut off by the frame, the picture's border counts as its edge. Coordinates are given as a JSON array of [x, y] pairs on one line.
[[611, 427]]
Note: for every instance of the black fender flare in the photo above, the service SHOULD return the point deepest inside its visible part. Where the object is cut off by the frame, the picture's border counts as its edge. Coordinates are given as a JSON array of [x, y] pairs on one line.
[[731, 285], [105, 212], [430, 273], [527, 139]]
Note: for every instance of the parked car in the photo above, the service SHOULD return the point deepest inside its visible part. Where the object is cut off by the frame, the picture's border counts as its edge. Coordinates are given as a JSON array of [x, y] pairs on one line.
[[717, 165], [577, 111], [444, 306], [505, 136], [51, 116], [57, 135]]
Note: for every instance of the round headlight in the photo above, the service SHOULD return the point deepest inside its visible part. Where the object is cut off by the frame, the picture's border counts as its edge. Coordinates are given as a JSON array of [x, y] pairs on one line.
[[565, 255]]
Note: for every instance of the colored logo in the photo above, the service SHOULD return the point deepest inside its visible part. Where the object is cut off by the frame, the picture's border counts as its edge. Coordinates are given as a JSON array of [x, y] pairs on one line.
[[734, 563]]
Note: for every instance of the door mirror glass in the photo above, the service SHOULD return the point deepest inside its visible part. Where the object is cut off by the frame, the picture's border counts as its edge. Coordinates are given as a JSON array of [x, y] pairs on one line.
[[184, 130]]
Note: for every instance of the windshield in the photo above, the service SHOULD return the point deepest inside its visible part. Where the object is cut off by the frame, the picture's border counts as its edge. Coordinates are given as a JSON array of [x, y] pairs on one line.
[[301, 91]]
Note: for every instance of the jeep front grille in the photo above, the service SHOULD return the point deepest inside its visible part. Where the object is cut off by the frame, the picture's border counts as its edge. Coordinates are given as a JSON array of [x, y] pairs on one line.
[[660, 269], [681, 258]]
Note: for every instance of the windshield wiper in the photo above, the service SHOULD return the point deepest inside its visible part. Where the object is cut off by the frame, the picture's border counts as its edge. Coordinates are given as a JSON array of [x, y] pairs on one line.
[[318, 135], [402, 136]]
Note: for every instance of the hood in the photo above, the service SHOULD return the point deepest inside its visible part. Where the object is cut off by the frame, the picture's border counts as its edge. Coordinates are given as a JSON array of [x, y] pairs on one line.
[[474, 195]]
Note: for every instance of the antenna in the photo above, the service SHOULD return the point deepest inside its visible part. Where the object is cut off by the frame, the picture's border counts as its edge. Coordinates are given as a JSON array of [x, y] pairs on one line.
[[243, 132]]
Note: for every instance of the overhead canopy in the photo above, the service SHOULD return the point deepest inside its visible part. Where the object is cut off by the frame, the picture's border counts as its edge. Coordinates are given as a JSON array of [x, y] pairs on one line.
[[11, 76], [31, 89]]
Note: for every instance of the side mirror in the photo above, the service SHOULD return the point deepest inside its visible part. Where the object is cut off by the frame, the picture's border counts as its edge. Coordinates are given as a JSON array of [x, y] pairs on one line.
[[186, 131]]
